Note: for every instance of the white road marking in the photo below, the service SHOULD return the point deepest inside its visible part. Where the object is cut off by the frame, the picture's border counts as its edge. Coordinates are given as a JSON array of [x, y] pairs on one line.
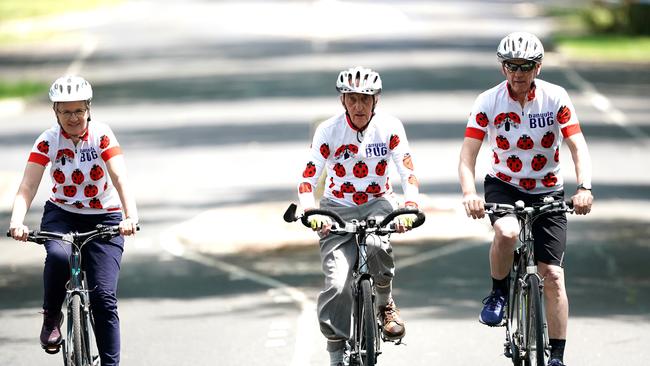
[[306, 327], [437, 253], [88, 46]]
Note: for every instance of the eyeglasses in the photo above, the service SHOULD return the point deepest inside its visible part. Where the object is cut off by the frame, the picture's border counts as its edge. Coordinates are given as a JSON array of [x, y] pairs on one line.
[[79, 113], [527, 67]]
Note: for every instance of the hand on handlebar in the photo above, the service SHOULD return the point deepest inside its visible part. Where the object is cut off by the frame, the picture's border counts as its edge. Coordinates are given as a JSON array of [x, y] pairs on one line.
[[582, 202], [128, 226], [320, 223], [474, 206], [404, 222], [19, 231]]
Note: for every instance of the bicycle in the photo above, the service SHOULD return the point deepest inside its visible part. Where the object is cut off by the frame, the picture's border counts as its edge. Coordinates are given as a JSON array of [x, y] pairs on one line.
[[79, 346], [364, 343], [525, 317]]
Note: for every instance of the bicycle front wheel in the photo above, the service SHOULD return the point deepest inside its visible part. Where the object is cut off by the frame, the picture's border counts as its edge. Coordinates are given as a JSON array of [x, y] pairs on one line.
[[535, 324], [367, 326], [75, 346]]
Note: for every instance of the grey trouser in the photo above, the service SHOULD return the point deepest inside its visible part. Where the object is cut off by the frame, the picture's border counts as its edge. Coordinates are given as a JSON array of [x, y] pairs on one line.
[[338, 256]]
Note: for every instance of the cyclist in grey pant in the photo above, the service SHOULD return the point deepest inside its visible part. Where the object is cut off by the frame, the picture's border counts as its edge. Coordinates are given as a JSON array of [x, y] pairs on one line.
[[354, 148]]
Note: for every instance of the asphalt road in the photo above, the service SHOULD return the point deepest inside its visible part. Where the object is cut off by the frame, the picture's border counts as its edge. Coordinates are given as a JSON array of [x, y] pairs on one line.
[[213, 103]]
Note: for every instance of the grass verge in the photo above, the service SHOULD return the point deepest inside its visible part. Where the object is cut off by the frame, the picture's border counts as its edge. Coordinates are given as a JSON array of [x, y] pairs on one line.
[[21, 89]]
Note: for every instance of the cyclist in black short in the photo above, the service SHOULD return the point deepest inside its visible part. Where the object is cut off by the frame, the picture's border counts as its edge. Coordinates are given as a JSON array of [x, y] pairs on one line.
[[525, 120]]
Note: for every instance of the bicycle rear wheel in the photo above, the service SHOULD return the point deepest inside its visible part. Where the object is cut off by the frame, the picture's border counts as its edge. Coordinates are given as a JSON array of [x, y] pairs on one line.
[[535, 324], [368, 326]]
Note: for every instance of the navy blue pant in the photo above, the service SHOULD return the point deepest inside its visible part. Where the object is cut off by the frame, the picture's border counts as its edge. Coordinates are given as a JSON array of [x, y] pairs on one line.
[[101, 261]]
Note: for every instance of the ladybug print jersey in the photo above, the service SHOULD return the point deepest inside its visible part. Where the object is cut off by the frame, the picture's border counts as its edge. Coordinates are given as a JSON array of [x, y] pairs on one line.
[[525, 140], [79, 172], [357, 162]]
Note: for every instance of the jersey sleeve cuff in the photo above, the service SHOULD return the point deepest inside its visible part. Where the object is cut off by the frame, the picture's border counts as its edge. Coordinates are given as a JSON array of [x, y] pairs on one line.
[[38, 158], [474, 133]]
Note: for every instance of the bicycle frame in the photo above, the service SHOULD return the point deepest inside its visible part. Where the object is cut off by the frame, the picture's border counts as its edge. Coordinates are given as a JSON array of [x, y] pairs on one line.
[[363, 351], [521, 294], [79, 346], [524, 266]]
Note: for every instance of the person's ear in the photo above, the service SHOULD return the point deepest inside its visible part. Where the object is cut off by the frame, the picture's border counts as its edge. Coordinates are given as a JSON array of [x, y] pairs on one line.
[[538, 70]]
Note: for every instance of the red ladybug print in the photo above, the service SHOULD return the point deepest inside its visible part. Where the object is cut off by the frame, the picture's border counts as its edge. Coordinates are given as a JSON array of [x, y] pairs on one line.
[[331, 183], [43, 147], [503, 177], [346, 150], [337, 194], [58, 176], [538, 162], [96, 172], [77, 176], [348, 187], [507, 120], [373, 188], [310, 170], [496, 157], [66, 155], [78, 204], [70, 191], [95, 203], [105, 185], [503, 143], [548, 139], [54, 189], [413, 180], [394, 141], [304, 187], [360, 198], [482, 119], [525, 142], [360, 170], [60, 200], [339, 170], [563, 115], [325, 151], [91, 190], [556, 157], [514, 163], [387, 184], [104, 141], [380, 169], [527, 183], [549, 180], [408, 161]]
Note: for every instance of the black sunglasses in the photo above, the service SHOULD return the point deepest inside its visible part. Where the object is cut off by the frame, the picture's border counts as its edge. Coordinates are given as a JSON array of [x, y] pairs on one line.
[[523, 67]]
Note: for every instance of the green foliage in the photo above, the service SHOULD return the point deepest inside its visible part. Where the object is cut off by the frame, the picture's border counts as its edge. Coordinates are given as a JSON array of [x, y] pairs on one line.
[[21, 89], [20, 9]]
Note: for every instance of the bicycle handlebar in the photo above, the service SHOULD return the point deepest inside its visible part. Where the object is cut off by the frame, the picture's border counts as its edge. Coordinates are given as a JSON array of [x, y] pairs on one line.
[[519, 207], [40, 237], [290, 216]]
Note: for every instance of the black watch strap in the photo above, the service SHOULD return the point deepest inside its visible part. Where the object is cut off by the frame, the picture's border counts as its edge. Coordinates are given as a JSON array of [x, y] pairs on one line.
[[582, 186]]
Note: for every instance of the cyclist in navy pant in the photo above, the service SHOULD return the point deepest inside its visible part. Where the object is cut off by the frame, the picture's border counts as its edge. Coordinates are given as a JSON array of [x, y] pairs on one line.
[[82, 156]]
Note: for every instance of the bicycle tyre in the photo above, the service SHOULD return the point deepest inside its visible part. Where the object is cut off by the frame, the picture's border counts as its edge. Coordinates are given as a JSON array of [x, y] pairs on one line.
[[535, 324], [515, 320], [368, 326], [77, 343]]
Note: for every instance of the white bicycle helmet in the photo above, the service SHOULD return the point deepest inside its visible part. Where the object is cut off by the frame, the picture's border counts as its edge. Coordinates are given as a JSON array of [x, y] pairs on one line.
[[359, 80], [520, 45], [70, 88]]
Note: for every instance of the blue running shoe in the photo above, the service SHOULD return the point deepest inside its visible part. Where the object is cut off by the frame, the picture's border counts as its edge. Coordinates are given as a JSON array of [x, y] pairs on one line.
[[492, 313], [555, 362]]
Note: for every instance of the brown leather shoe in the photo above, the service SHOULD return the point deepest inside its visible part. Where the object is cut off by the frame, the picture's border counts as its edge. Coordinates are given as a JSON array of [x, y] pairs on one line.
[[393, 328], [51, 330]]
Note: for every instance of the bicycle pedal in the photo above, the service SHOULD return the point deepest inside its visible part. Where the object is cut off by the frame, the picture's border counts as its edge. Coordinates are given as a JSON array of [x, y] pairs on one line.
[[52, 350]]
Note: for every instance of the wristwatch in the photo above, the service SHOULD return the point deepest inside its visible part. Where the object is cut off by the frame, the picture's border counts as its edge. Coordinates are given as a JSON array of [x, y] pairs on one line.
[[584, 187]]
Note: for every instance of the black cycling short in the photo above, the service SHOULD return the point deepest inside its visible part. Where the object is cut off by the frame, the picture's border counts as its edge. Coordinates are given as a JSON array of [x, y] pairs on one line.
[[549, 230]]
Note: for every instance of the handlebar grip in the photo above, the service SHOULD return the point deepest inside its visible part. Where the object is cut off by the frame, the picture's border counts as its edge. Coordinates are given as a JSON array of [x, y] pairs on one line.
[[569, 203], [9, 233], [317, 211], [405, 211]]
